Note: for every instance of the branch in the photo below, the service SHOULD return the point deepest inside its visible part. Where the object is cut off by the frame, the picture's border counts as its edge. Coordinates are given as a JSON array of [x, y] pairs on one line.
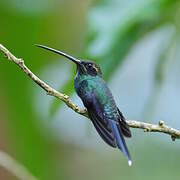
[[14, 167], [160, 127]]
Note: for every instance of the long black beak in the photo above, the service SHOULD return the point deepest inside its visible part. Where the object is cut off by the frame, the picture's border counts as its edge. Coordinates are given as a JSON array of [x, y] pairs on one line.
[[75, 60]]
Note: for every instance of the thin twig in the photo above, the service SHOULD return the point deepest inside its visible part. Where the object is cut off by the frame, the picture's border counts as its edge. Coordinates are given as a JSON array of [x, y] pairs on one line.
[[14, 167], [160, 127]]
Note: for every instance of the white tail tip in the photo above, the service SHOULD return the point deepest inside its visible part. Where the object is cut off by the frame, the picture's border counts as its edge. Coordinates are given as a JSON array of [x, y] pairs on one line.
[[129, 162]]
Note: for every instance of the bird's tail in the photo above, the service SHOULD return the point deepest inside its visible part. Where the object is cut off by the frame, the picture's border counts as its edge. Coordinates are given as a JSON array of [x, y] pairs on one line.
[[120, 141]]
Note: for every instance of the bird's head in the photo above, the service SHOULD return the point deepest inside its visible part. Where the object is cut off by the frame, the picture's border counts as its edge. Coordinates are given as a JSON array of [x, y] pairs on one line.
[[89, 68], [83, 67]]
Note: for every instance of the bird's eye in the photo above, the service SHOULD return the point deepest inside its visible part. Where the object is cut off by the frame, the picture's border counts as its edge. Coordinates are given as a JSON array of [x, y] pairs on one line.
[[89, 65]]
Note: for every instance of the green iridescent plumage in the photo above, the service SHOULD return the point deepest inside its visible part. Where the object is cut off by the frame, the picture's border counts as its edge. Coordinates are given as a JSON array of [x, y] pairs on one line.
[[97, 98]]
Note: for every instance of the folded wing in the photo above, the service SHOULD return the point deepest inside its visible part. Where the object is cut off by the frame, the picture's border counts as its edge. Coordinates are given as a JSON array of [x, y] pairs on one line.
[[109, 129]]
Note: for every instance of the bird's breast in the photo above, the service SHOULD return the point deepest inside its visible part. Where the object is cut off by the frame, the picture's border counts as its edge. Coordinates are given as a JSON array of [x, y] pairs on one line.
[[95, 89], [84, 87]]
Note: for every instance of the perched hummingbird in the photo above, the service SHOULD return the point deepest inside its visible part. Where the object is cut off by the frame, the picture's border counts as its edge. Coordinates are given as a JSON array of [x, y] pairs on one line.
[[97, 98]]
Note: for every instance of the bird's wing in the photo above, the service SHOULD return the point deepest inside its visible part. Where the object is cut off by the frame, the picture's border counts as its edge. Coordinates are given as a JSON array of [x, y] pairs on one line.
[[123, 125], [102, 126], [106, 123], [95, 113], [108, 128]]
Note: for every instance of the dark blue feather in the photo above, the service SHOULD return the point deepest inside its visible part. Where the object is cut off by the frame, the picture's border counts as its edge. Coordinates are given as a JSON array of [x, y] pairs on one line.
[[120, 140]]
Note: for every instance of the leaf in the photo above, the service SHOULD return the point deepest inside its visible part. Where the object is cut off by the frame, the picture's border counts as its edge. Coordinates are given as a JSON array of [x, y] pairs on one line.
[[118, 26], [114, 28]]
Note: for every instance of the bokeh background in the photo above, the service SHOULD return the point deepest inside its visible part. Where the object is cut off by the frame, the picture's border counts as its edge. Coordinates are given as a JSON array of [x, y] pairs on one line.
[[137, 44]]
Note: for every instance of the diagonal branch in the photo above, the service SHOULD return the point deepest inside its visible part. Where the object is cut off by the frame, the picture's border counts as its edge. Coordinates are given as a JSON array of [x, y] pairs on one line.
[[160, 127], [17, 169]]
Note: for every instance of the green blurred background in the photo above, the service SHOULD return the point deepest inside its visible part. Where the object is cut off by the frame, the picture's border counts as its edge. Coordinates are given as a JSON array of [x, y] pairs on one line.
[[137, 44]]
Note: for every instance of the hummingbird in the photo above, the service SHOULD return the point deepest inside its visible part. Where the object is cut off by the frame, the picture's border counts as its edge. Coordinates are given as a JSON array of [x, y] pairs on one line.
[[96, 96]]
